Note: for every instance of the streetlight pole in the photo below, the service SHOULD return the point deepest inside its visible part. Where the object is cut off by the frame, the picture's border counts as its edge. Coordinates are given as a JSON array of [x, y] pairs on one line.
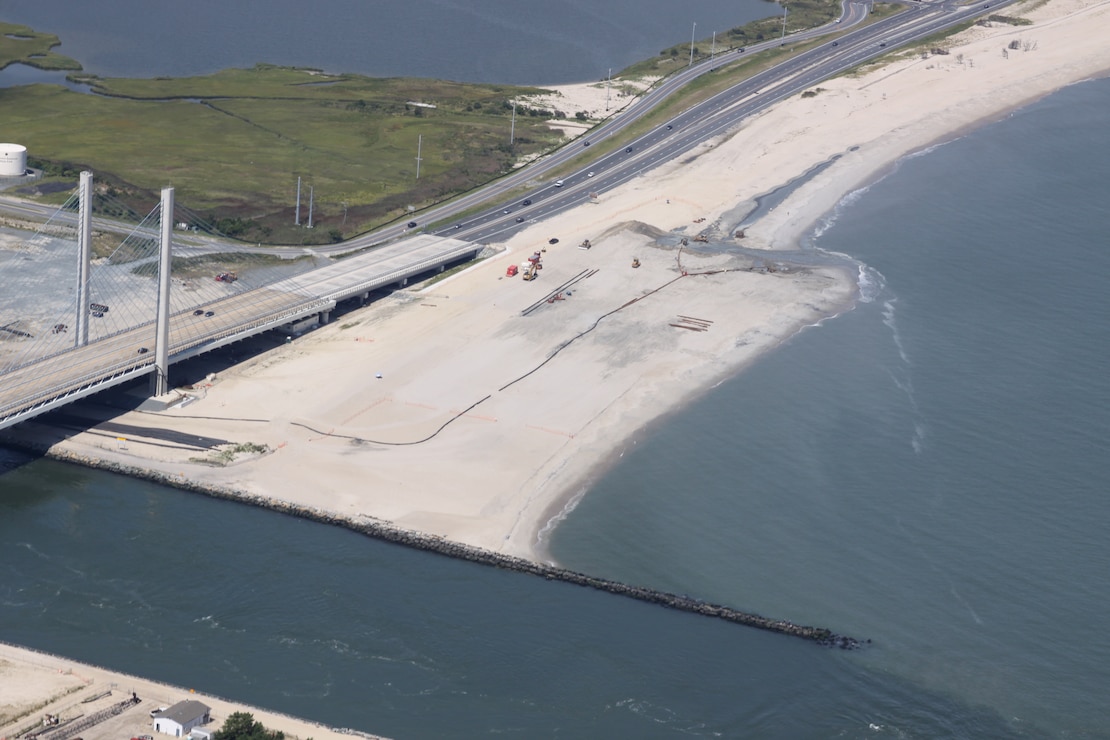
[[419, 144], [783, 40], [692, 32], [608, 84]]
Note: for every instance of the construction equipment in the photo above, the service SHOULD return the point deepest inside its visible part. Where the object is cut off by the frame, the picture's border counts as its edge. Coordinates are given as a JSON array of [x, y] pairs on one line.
[[701, 238], [530, 271], [511, 272], [635, 261], [585, 244], [226, 277]]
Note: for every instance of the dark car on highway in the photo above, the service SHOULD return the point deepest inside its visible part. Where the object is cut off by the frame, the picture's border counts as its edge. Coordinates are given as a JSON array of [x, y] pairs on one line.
[[412, 224]]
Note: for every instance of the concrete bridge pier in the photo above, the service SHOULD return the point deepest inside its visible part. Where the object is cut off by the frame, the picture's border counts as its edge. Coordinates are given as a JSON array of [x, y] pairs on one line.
[[325, 317], [403, 282], [362, 299]]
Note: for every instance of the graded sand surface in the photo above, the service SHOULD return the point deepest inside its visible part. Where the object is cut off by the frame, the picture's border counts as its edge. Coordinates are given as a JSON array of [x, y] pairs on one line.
[[485, 421]]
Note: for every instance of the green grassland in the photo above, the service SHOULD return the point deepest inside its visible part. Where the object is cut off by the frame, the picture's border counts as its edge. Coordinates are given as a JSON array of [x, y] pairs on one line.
[[26, 46], [233, 144]]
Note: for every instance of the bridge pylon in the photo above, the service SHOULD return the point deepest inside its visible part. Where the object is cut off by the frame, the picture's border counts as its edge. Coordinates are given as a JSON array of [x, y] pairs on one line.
[[160, 380], [84, 258]]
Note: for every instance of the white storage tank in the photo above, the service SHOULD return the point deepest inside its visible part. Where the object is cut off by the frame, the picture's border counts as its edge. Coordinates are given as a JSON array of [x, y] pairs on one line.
[[13, 160]]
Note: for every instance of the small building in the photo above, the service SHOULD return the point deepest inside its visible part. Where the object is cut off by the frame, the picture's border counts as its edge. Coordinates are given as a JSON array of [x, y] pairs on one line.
[[199, 733], [181, 718]]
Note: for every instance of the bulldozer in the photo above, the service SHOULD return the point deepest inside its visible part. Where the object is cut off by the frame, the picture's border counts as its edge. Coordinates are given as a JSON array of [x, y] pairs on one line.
[[530, 271]]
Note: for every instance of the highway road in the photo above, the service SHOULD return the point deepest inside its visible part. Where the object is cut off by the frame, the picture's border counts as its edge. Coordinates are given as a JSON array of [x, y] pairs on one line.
[[850, 43], [846, 48]]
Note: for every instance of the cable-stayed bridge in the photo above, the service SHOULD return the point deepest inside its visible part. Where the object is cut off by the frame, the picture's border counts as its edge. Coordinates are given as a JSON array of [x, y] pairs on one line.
[[80, 313]]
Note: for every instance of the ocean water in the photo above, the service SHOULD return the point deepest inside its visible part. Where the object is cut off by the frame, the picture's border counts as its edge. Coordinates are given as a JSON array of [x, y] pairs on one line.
[[927, 471]]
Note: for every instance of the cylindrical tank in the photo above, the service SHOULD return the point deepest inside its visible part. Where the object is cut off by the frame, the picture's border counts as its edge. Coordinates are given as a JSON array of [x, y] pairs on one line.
[[13, 160]]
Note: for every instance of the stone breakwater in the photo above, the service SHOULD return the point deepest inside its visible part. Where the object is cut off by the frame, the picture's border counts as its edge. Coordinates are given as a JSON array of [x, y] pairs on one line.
[[433, 543]]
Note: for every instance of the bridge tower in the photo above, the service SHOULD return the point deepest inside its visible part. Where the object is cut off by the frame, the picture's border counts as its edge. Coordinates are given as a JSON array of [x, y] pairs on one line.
[[160, 380], [84, 256]]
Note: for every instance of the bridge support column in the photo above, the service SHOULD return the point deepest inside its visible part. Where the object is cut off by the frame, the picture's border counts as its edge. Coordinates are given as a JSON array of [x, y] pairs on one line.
[[402, 282], [362, 299], [84, 254], [160, 380], [441, 268], [325, 317]]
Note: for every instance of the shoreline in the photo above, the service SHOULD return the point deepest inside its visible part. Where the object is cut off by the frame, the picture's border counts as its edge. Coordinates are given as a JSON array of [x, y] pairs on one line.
[[36, 682], [386, 532], [515, 466]]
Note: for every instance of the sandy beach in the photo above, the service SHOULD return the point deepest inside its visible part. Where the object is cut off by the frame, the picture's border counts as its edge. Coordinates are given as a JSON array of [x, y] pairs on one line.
[[34, 684], [488, 418]]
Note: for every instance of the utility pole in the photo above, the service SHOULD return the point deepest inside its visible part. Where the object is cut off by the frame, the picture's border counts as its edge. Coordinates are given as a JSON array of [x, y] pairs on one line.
[[419, 145], [713, 48], [344, 213], [692, 32], [512, 126], [783, 40], [311, 192], [297, 219], [608, 84]]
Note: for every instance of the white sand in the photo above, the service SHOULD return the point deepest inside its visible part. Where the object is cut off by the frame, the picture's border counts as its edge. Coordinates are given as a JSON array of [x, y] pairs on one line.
[[495, 476]]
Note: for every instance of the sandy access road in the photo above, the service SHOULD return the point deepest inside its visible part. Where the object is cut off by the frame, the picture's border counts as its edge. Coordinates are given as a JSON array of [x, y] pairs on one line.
[[548, 406]]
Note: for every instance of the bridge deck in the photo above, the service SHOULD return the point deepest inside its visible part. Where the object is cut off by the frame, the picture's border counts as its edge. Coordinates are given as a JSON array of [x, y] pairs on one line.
[[28, 389]]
